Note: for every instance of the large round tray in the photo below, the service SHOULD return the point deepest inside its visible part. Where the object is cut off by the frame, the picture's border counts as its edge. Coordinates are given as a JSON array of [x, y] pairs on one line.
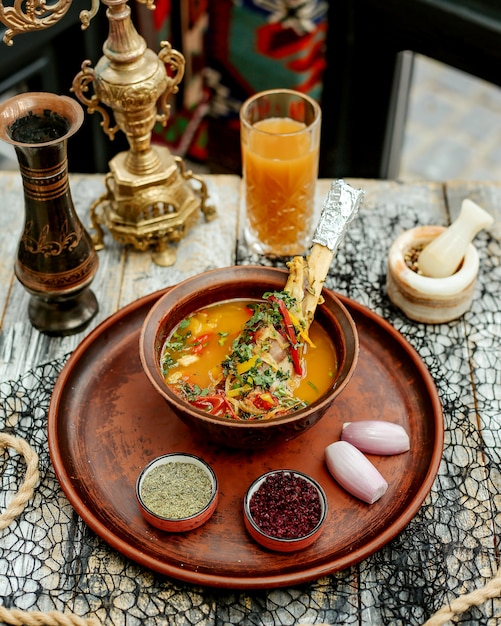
[[106, 422]]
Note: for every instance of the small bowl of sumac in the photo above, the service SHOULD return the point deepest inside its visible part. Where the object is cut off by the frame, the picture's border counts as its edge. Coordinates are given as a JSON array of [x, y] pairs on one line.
[[285, 510]]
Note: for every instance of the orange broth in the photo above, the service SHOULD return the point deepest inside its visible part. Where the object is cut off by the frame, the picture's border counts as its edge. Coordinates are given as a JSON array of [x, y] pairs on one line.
[[211, 332]]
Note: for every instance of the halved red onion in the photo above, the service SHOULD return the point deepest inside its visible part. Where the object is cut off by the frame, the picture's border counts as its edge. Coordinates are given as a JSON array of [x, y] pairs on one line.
[[376, 436], [354, 472]]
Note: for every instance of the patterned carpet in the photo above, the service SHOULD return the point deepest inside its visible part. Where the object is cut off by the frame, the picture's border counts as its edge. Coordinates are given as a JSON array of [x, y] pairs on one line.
[[453, 127]]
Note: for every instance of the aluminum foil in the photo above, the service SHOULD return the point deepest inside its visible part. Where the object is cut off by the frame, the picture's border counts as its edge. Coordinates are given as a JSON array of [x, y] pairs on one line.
[[339, 208]]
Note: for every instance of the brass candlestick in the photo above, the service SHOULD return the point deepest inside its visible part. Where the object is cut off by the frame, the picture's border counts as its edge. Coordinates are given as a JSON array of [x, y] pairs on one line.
[[149, 201]]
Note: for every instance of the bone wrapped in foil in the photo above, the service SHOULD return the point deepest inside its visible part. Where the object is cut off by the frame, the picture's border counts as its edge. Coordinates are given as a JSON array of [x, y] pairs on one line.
[[339, 208]]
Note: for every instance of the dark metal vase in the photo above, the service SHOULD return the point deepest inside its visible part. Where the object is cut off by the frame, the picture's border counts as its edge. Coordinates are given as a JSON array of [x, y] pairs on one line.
[[56, 260]]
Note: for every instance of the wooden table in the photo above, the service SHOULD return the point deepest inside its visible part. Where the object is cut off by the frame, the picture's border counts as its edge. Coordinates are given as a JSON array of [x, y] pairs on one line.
[[50, 559]]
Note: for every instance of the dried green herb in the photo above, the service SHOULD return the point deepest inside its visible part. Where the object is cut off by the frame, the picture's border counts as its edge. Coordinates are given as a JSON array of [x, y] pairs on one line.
[[176, 490]]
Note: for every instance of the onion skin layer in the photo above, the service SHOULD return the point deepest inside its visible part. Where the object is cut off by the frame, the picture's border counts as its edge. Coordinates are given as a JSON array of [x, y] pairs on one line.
[[376, 436], [354, 472]]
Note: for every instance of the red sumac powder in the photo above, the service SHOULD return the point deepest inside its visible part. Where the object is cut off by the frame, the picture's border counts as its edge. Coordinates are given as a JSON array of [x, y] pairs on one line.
[[285, 506]]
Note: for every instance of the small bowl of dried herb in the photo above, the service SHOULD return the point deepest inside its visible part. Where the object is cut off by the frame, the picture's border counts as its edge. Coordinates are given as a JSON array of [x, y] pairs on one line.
[[177, 492], [285, 510]]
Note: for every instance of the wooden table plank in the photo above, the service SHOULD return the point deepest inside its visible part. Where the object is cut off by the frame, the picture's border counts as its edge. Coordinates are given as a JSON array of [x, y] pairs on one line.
[[11, 221], [123, 275], [483, 340]]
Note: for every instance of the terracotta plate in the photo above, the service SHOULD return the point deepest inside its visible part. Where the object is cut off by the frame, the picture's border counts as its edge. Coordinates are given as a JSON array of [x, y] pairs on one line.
[[106, 422]]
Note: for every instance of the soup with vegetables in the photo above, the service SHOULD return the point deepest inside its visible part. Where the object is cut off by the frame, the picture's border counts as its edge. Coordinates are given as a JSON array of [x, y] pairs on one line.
[[248, 360]]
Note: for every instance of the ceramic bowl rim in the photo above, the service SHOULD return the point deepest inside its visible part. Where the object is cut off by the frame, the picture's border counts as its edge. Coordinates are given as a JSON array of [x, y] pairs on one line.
[[284, 540], [173, 457]]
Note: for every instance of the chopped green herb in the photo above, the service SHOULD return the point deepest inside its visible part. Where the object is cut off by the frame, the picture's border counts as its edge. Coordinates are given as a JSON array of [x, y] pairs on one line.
[[222, 338], [185, 323]]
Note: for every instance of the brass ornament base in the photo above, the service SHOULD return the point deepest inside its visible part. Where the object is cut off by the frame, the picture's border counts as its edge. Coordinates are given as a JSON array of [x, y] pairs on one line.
[[150, 211]]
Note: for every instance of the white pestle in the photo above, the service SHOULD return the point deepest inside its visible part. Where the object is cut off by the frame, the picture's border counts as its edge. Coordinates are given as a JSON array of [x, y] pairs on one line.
[[443, 255]]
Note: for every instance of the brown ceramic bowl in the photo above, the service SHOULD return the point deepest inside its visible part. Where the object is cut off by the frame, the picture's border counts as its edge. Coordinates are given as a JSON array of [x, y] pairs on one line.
[[236, 283], [271, 538]]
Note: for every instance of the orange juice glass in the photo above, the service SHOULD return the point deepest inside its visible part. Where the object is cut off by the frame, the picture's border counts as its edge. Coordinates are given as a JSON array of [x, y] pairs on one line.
[[280, 136]]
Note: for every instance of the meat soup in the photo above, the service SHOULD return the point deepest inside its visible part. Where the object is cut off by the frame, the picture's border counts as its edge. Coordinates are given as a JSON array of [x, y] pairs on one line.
[[212, 362]]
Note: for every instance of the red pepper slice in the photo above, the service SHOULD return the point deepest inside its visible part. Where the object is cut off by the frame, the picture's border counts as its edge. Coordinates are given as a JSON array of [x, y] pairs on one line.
[[215, 405], [265, 401], [291, 333], [199, 343]]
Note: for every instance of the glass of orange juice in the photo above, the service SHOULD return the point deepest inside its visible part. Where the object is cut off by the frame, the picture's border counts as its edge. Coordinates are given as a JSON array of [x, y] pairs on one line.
[[280, 137]]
